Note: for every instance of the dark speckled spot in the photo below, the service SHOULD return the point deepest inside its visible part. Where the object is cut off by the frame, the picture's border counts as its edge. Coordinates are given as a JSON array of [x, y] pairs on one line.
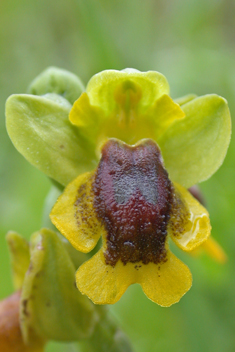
[[133, 197], [25, 307]]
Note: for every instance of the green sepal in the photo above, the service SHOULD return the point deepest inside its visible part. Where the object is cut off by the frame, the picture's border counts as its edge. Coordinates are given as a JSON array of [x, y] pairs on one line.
[[59, 81], [40, 130], [51, 305], [194, 148], [19, 257], [185, 99], [57, 99]]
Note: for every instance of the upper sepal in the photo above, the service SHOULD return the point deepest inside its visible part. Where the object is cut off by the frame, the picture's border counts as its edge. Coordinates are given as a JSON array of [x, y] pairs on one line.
[[128, 105], [107, 89]]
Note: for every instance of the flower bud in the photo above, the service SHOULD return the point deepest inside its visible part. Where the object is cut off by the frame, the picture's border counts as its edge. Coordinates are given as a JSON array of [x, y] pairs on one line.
[[11, 339], [59, 81]]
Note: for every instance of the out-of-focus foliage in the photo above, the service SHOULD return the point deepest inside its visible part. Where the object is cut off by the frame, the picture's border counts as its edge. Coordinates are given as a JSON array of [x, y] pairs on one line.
[[192, 43]]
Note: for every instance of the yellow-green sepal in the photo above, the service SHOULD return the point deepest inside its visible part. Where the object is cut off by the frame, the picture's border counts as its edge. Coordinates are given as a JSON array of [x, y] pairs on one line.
[[108, 88], [59, 81], [51, 305], [41, 131], [185, 99], [128, 105], [194, 148], [19, 257]]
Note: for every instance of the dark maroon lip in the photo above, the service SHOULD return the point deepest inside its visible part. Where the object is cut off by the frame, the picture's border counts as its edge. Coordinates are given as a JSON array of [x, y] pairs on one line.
[[133, 197]]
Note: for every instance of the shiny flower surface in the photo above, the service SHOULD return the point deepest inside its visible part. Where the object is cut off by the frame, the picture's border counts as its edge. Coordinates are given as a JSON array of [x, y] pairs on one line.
[[130, 199]]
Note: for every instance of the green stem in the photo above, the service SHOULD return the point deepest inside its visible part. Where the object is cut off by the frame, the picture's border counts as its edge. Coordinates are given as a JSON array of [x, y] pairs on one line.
[[107, 336], [50, 200]]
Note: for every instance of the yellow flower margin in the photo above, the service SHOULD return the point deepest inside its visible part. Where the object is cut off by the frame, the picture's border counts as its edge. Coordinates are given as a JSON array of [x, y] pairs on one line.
[[163, 283], [130, 105]]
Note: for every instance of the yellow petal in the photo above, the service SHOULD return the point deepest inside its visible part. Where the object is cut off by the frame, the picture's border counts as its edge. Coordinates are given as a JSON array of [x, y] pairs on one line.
[[74, 216], [189, 225], [167, 282], [102, 283], [161, 115], [213, 249], [88, 118]]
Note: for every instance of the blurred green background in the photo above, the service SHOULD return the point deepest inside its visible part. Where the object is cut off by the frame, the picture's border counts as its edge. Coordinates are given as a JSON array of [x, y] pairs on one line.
[[192, 42]]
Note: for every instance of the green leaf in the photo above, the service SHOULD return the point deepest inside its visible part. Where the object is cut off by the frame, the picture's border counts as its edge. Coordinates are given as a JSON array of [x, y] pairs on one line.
[[40, 130], [19, 256], [51, 305], [59, 81], [194, 148]]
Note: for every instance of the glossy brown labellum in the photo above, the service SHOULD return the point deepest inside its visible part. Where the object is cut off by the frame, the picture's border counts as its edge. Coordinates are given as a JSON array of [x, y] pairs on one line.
[[133, 197]]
